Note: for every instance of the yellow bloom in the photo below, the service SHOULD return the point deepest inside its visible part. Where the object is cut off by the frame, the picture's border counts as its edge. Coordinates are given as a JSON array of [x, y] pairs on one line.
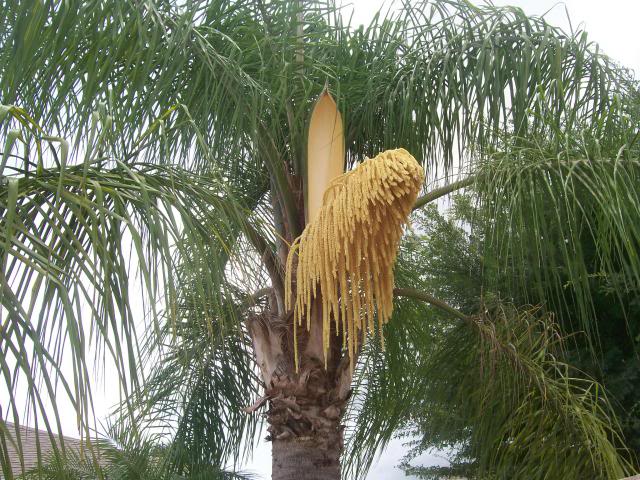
[[347, 252]]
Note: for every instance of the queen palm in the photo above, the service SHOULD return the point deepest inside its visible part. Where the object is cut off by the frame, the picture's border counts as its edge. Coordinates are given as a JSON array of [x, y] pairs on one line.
[[156, 174]]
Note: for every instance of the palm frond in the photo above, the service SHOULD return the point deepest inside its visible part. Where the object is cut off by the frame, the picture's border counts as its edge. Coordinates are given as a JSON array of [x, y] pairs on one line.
[[573, 214], [61, 59], [122, 457], [402, 81], [472, 367], [204, 106], [202, 377], [499, 381], [445, 78], [89, 257]]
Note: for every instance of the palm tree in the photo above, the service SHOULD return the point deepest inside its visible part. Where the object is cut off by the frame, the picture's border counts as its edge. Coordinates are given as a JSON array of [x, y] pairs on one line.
[[154, 177]]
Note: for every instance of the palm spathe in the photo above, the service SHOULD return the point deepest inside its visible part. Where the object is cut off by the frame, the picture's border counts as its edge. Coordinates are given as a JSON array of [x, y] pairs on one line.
[[185, 131]]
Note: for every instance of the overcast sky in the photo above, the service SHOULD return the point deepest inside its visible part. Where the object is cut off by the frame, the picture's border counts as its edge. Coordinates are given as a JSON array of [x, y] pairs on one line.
[[613, 24]]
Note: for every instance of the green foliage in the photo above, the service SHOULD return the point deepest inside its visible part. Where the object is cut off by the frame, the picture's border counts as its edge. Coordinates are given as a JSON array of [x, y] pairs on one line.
[[453, 265], [86, 246], [202, 373], [494, 389], [515, 408], [163, 142], [559, 220], [121, 458], [428, 77]]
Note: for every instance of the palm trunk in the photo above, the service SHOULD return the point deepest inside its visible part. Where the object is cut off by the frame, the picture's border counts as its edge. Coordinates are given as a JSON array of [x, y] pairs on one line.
[[305, 407], [304, 425], [299, 459]]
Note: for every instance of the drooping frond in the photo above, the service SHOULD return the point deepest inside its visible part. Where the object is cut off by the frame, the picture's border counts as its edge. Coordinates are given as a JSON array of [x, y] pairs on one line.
[[89, 256], [61, 59], [442, 77], [573, 213], [495, 387], [123, 456], [345, 256], [445, 77], [430, 358], [201, 377], [437, 77]]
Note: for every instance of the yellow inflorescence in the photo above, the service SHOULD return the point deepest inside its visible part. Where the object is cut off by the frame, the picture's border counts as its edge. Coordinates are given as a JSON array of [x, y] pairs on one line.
[[346, 254]]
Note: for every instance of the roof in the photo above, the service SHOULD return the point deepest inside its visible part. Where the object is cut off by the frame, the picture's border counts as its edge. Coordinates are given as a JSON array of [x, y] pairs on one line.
[[30, 438]]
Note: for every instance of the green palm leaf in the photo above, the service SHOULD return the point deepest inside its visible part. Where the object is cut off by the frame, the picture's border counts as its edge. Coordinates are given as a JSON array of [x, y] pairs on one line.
[[151, 145], [573, 213], [89, 254], [497, 380]]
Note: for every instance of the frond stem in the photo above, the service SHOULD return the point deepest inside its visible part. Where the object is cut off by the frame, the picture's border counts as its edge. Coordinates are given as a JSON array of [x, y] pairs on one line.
[[278, 172], [442, 191], [425, 297], [271, 261]]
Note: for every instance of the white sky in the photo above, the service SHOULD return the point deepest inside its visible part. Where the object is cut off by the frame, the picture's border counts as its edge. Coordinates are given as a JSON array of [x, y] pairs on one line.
[[613, 24]]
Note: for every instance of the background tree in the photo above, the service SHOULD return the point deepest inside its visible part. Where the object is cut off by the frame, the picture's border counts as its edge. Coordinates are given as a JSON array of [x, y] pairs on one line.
[[163, 145], [453, 258]]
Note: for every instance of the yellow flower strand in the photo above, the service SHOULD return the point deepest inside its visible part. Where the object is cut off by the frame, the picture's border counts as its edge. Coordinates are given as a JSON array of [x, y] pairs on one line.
[[346, 254]]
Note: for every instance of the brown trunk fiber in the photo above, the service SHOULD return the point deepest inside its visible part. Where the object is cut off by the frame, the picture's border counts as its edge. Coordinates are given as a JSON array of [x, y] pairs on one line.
[[302, 459], [304, 425], [304, 406]]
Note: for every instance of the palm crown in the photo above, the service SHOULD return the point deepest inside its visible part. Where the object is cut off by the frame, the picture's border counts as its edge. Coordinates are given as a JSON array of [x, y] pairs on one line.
[[157, 151]]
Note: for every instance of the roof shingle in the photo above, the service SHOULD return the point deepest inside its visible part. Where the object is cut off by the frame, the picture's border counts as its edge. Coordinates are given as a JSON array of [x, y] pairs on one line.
[[30, 439]]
